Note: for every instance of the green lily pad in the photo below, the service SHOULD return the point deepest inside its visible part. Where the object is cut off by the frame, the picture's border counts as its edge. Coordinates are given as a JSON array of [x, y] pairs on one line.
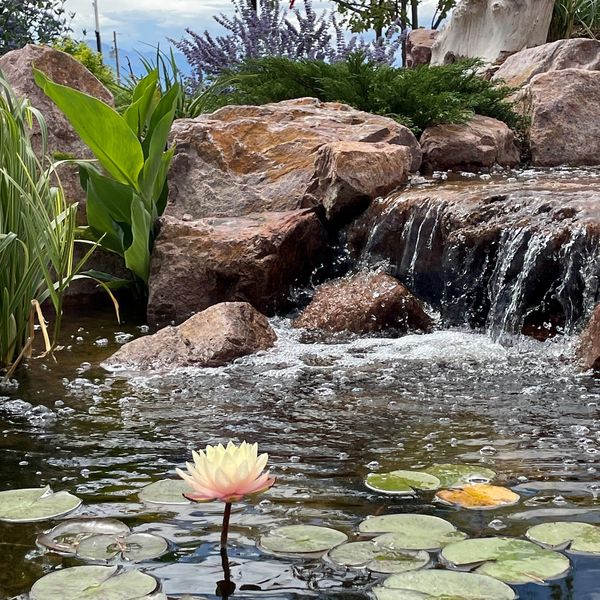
[[442, 585], [35, 504], [135, 547], [301, 539], [93, 583], [578, 538], [458, 475], [165, 491], [402, 483], [66, 536], [509, 560], [413, 532], [378, 557]]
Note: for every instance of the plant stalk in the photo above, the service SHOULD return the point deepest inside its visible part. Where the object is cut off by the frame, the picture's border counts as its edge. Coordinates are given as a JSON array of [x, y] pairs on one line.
[[225, 528]]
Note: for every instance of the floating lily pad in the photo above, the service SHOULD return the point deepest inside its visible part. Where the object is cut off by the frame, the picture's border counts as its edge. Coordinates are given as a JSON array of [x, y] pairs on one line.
[[458, 475], [402, 483], [478, 497], [301, 539], [93, 583], [35, 504], [579, 538], [165, 491], [448, 585], [378, 556], [413, 532], [512, 561], [65, 537], [135, 547]]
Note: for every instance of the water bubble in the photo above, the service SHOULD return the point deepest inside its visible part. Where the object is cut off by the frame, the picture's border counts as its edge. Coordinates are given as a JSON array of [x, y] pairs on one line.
[[122, 338], [497, 524], [101, 342], [579, 429], [343, 456], [294, 459], [488, 450], [23, 463], [373, 465], [85, 473]]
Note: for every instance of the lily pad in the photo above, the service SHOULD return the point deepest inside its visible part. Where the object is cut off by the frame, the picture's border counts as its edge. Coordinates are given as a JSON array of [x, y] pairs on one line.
[[413, 532], [578, 538], [93, 583], [378, 556], [451, 475], [135, 547], [301, 539], [35, 504], [165, 491], [402, 483], [478, 497], [509, 560], [439, 584], [65, 537]]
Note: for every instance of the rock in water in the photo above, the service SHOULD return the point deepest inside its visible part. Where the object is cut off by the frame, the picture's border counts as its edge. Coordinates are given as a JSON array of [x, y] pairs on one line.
[[62, 138], [245, 159], [255, 259], [366, 302], [478, 144], [588, 348], [418, 46], [211, 338], [492, 29]]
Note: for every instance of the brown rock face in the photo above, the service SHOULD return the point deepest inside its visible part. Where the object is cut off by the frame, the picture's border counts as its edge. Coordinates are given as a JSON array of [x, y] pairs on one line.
[[520, 68], [63, 69], [253, 259], [565, 118], [588, 349], [350, 174], [510, 257], [244, 159], [418, 46], [211, 338], [479, 144], [366, 302]]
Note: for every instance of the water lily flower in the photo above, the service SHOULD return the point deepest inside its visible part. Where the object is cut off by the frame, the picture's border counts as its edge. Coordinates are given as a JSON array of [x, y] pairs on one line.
[[227, 473]]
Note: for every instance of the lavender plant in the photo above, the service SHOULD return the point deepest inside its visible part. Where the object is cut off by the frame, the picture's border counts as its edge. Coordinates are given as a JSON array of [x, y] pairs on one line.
[[274, 31]]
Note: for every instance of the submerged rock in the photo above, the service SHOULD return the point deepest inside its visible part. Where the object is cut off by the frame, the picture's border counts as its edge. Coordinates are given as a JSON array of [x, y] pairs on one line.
[[245, 159], [588, 348], [478, 144], [418, 46], [511, 257], [255, 259], [520, 68], [211, 338], [366, 302]]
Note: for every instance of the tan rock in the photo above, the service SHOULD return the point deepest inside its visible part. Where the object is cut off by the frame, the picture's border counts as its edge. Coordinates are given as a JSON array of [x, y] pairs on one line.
[[350, 174], [62, 139], [492, 29], [211, 338], [244, 159], [366, 302], [418, 46], [479, 144], [255, 259], [520, 68], [588, 348], [564, 107]]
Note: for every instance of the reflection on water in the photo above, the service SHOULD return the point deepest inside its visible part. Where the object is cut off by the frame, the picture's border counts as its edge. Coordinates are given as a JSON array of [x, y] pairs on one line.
[[327, 413]]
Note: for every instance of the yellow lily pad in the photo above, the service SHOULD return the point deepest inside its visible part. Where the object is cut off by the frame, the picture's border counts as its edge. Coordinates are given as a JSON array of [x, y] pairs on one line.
[[480, 496]]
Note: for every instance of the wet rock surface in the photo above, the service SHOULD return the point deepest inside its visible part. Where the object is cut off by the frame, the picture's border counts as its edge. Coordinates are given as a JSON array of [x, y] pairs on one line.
[[366, 302], [253, 259], [588, 348], [244, 159], [478, 144], [211, 338], [508, 256]]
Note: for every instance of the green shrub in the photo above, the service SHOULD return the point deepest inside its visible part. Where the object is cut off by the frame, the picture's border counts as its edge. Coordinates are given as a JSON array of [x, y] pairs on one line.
[[421, 97], [575, 18]]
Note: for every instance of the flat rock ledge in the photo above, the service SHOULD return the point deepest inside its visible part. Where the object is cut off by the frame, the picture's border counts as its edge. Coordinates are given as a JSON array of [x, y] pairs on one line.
[[212, 338]]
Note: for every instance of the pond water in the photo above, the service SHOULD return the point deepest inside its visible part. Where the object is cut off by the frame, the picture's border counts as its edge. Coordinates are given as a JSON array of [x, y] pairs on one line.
[[327, 414]]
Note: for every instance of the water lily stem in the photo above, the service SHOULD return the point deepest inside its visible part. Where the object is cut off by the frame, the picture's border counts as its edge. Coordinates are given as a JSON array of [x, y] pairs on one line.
[[225, 528]]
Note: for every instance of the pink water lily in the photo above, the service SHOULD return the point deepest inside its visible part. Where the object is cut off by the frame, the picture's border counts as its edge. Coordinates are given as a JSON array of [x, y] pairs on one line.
[[227, 473]]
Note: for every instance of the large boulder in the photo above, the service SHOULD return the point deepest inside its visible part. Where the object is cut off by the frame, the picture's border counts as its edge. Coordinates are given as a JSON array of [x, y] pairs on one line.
[[255, 259], [588, 348], [350, 174], [478, 144], [564, 107], [578, 53], [244, 159], [508, 256], [63, 141], [492, 29], [211, 338], [418, 47], [366, 302]]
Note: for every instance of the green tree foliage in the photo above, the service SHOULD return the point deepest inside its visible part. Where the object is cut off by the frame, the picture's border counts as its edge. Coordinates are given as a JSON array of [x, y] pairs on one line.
[[421, 97], [575, 18]]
